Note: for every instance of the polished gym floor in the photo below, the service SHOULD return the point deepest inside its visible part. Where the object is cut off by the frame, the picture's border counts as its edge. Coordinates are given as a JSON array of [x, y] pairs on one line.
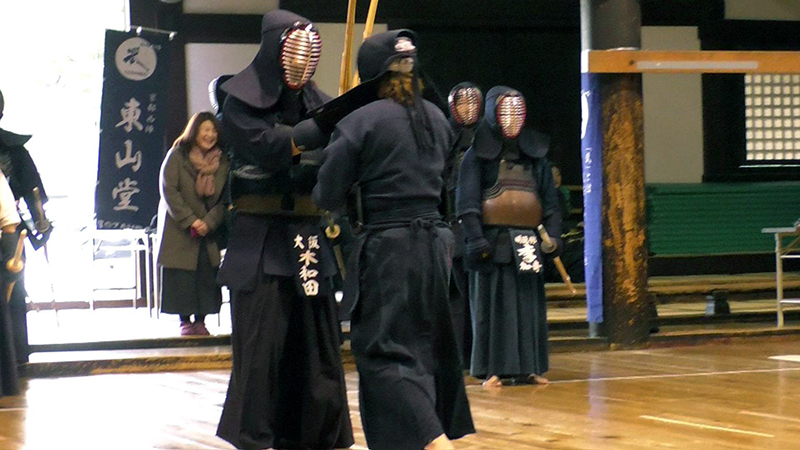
[[744, 394]]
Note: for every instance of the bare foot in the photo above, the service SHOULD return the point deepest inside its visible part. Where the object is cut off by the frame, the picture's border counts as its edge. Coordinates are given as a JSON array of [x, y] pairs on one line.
[[538, 379], [493, 382], [440, 443]]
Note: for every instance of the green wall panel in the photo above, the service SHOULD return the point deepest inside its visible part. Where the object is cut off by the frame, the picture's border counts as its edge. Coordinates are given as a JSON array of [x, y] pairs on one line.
[[718, 218]]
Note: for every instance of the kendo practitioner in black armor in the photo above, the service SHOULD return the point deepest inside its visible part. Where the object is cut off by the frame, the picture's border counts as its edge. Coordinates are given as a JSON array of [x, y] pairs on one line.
[[9, 219], [505, 191], [411, 388], [287, 385], [26, 184], [466, 106]]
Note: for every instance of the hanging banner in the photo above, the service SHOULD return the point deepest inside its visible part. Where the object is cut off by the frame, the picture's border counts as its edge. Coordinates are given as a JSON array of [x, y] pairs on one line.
[[132, 129], [592, 163]]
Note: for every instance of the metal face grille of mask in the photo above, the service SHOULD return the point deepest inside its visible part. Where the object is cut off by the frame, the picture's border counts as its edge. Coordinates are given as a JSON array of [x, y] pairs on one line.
[[465, 105], [511, 113], [300, 54]]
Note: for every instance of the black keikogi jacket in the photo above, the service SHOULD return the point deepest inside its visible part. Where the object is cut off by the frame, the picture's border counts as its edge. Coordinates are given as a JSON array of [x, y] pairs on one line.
[[258, 117], [23, 176], [479, 170], [367, 141], [374, 148]]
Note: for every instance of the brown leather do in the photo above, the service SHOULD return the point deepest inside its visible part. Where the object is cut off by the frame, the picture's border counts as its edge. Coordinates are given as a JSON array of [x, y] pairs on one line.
[[513, 208]]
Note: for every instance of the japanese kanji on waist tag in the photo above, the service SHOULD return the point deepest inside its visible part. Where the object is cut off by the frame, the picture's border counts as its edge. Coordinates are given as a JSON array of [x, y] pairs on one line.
[[526, 251], [308, 251]]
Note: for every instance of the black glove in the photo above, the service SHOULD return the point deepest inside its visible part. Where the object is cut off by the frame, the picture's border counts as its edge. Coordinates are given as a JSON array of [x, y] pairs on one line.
[[8, 245], [549, 246], [307, 135], [555, 245], [477, 249], [478, 252], [556, 250]]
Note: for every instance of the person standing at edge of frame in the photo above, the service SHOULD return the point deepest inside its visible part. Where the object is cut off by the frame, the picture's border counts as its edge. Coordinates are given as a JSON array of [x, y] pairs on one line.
[[9, 219], [26, 184]]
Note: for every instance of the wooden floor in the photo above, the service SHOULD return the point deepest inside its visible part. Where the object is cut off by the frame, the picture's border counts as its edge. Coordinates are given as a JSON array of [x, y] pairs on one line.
[[728, 396]]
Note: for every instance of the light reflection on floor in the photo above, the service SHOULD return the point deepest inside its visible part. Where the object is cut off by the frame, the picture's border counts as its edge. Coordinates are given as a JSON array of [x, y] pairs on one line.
[[99, 412]]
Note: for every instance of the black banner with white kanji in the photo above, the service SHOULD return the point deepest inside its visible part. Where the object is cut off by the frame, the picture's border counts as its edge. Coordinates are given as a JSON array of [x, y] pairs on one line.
[[132, 129]]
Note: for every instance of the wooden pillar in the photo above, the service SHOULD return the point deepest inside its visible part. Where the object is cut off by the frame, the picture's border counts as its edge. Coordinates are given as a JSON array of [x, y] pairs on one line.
[[616, 24]]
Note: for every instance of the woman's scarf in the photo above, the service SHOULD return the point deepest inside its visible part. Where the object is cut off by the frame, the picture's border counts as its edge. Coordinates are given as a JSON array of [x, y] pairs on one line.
[[206, 165]]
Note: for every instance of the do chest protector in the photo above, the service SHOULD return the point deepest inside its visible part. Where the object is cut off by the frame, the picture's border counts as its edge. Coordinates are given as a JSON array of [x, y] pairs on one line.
[[513, 200]]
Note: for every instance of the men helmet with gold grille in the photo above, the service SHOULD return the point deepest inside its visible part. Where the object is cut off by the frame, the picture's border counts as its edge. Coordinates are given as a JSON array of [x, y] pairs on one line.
[[301, 47], [466, 102]]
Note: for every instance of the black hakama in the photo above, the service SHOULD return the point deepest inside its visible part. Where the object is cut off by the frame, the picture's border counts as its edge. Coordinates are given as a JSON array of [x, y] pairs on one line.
[[411, 388], [9, 381], [509, 322], [287, 386]]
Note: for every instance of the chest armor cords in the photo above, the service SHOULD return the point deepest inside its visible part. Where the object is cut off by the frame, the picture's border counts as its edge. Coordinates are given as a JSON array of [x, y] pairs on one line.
[[512, 201]]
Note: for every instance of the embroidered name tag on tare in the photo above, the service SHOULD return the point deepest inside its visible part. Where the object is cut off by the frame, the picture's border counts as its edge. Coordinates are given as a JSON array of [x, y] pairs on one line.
[[307, 249], [526, 253]]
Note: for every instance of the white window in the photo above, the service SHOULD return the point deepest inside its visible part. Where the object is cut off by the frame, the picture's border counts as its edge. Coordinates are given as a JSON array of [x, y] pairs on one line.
[[765, 139]]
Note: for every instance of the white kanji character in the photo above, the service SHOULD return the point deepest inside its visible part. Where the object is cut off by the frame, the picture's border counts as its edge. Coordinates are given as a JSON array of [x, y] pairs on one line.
[[130, 116], [527, 253], [306, 273], [125, 190], [129, 158], [521, 239], [308, 257], [311, 288]]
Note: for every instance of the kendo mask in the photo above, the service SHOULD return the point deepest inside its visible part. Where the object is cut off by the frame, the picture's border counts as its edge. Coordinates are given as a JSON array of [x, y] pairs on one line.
[[392, 51], [301, 47], [288, 56], [465, 101], [509, 113], [503, 120]]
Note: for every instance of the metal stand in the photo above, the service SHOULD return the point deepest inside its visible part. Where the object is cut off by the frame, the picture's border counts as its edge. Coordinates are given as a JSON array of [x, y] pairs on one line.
[[790, 251]]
